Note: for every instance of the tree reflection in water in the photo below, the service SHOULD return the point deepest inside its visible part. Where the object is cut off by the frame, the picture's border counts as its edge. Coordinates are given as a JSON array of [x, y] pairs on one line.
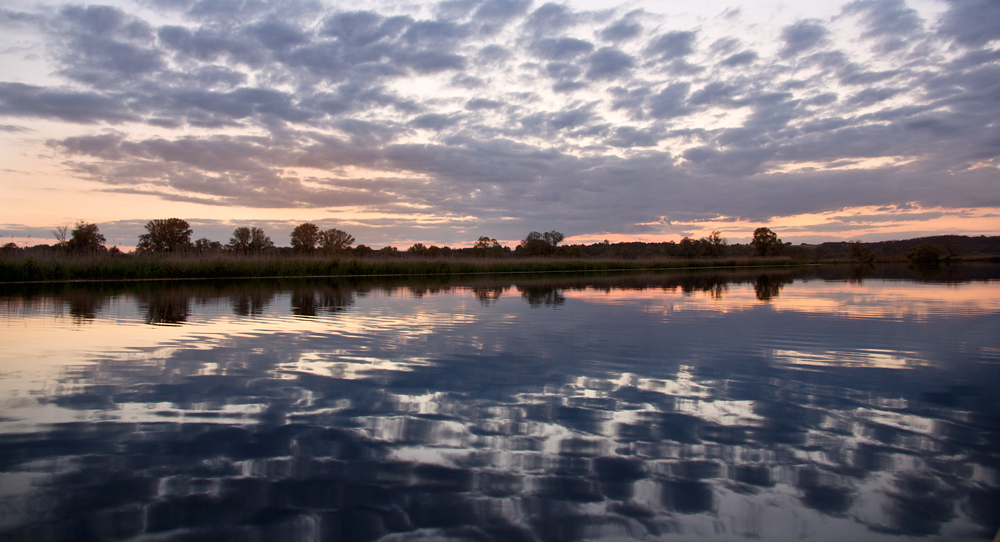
[[165, 307], [632, 425]]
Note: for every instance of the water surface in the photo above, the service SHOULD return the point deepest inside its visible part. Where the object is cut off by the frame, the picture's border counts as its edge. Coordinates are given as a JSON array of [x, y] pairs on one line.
[[824, 404]]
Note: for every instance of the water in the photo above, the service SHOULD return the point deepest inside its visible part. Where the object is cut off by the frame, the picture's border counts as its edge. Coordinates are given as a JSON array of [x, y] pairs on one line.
[[823, 404]]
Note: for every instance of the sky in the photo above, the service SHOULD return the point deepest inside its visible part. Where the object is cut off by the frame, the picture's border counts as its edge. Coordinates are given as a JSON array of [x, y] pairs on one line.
[[440, 122]]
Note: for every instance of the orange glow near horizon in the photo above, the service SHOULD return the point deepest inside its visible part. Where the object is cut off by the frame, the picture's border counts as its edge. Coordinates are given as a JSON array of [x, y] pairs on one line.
[[855, 222]]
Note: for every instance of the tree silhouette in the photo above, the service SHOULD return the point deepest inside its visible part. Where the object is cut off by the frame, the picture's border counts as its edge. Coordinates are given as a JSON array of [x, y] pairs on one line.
[[61, 233], [717, 243], [305, 237], [85, 238], [860, 253], [334, 240], [541, 244], [418, 249], [165, 235], [768, 286], [248, 240], [487, 246], [766, 242], [687, 248], [925, 254], [206, 246]]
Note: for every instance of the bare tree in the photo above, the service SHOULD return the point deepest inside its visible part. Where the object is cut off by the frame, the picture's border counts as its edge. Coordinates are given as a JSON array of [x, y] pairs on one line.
[[61, 233]]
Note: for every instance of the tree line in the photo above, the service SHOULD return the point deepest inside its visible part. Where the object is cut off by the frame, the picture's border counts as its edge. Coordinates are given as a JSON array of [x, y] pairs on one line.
[[173, 235]]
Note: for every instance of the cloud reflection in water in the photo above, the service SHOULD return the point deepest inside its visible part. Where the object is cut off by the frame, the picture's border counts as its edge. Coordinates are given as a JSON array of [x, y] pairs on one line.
[[546, 409]]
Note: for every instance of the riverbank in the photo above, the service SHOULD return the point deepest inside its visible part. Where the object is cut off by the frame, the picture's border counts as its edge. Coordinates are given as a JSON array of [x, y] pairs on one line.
[[19, 269]]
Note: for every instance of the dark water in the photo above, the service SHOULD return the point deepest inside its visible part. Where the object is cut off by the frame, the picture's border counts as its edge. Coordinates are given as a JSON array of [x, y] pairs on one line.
[[823, 404]]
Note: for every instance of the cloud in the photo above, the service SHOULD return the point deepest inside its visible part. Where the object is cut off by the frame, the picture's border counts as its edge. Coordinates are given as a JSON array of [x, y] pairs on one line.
[[669, 102], [628, 137], [483, 103], [609, 63], [740, 59], [101, 146], [434, 121], [209, 45], [621, 30], [106, 45], [277, 36], [672, 45], [735, 163], [870, 96], [20, 100], [550, 18], [561, 49], [630, 100], [495, 14], [886, 18], [802, 36], [715, 93], [971, 22]]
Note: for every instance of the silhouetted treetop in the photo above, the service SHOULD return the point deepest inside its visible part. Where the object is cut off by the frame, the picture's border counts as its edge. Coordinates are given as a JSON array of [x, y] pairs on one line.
[[487, 246], [305, 237], [766, 242], [165, 235], [85, 238], [248, 240], [540, 244], [334, 240]]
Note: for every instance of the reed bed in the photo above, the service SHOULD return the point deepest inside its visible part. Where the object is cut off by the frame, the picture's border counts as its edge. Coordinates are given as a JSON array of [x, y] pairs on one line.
[[20, 268]]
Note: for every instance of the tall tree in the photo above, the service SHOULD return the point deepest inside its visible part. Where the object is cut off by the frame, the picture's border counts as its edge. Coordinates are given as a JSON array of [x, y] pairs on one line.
[[487, 246], [305, 237], [334, 240], [541, 244], [717, 243], [687, 248], [766, 242], [165, 235], [249, 240], [553, 238], [85, 238]]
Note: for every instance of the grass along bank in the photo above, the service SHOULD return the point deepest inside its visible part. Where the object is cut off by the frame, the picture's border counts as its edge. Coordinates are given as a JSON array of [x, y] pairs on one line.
[[19, 268]]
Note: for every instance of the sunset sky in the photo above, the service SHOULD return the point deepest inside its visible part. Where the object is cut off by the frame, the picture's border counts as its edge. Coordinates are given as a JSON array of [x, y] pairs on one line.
[[439, 122]]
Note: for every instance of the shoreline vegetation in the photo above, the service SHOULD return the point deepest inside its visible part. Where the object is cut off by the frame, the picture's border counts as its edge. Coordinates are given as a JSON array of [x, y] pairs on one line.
[[19, 268], [127, 267], [166, 252]]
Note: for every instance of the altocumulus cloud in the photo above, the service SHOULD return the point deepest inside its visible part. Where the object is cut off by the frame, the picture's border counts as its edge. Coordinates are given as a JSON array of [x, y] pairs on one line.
[[508, 116]]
